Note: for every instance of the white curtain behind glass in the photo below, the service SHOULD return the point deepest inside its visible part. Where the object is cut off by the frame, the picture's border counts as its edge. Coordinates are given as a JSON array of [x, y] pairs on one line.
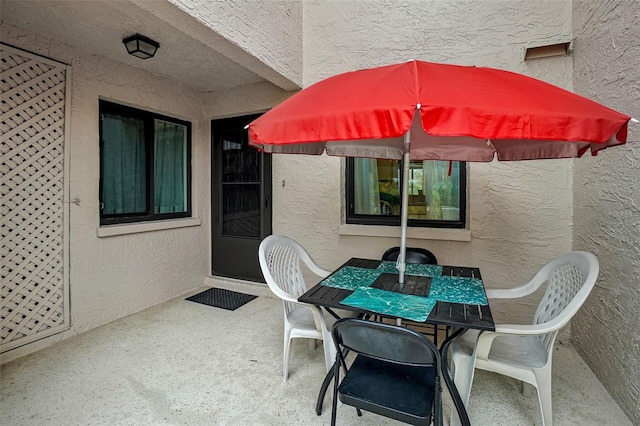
[[366, 190], [170, 164], [123, 169], [429, 176], [439, 188]]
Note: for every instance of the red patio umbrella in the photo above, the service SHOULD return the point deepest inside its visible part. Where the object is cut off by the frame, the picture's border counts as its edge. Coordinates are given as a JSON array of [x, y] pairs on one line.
[[427, 111]]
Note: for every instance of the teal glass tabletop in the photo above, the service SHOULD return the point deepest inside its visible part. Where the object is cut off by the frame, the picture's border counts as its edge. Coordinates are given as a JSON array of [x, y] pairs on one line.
[[443, 288]]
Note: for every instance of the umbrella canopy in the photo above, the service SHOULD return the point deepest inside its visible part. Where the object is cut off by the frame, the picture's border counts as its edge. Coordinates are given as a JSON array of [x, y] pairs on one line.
[[427, 111], [464, 114]]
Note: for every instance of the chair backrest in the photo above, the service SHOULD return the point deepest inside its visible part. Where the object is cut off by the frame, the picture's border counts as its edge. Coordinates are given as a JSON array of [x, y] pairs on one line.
[[416, 357], [280, 259], [385, 342], [385, 208], [570, 278], [413, 255]]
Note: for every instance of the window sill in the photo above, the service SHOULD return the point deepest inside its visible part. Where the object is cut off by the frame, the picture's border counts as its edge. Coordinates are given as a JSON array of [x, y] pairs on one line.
[[135, 228], [413, 233]]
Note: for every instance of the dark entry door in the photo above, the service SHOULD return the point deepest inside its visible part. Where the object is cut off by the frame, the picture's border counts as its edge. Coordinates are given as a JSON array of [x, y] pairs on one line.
[[241, 200]]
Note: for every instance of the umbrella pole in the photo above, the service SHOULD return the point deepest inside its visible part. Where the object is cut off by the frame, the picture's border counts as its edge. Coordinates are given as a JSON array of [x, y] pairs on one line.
[[404, 214]]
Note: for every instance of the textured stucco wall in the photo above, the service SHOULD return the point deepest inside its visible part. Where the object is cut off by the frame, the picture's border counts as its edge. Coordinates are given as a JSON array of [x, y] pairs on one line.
[[607, 199], [244, 100], [520, 212], [269, 30], [116, 276]]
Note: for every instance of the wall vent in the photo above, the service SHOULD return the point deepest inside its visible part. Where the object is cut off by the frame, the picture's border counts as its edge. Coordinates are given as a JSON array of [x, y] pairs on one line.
[[548, 51]]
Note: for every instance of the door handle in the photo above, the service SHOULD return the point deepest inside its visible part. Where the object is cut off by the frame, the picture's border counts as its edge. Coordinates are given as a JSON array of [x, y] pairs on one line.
[[267, 198]]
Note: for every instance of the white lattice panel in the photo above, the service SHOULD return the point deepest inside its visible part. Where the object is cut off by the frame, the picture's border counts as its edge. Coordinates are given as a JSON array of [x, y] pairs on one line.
[[33, 293]]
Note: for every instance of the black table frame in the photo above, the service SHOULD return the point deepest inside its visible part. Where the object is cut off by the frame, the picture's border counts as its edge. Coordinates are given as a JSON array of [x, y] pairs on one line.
[[457, 316]]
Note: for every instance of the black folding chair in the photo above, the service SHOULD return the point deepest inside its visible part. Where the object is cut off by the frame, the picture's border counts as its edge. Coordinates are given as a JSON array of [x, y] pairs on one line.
[[396, 372], [412, 255]]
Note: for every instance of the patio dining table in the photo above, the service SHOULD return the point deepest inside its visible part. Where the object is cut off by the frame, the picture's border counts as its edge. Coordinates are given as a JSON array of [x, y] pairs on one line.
[[453, 296]]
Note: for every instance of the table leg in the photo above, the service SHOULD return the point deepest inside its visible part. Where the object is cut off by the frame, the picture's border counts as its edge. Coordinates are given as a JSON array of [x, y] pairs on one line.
[[323, 391], [448, 379]]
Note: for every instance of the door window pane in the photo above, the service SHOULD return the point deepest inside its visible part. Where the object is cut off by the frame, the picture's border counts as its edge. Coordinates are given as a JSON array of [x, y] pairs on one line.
[[240, 162], [240, 209], [240, 186]]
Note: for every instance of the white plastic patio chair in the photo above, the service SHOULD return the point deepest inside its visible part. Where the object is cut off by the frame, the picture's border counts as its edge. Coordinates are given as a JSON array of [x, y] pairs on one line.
[[280, 259], [524, 352]]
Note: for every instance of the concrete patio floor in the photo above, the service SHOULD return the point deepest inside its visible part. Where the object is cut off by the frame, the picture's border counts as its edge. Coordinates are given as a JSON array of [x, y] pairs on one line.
[[183, 363]]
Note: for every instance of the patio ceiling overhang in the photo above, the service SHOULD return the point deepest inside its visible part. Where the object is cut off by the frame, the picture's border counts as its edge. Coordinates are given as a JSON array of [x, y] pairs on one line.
[[190, 52]]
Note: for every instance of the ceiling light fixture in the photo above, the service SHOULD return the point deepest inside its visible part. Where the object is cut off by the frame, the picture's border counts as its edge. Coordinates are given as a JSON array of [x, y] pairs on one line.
[[140, 46]]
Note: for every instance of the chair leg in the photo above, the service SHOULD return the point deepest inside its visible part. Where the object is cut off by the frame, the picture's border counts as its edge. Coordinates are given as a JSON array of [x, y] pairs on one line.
[[334, 400], [543, 388], [463, 379], [286, 353], [329, 350], [527, 389]]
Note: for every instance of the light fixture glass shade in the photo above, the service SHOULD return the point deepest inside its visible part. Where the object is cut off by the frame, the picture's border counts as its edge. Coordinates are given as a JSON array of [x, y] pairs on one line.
[[140, 46]]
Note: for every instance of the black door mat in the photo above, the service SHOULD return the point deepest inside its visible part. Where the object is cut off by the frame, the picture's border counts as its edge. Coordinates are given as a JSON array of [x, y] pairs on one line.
[[221, 298]]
